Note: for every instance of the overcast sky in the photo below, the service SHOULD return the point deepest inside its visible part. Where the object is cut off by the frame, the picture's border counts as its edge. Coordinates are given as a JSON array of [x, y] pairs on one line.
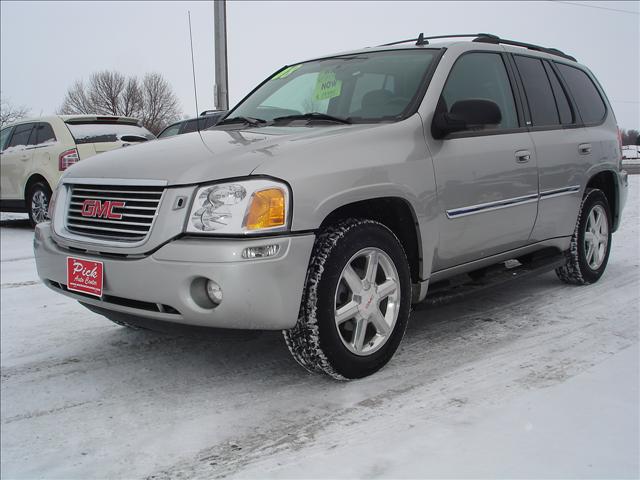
[[45, 46]]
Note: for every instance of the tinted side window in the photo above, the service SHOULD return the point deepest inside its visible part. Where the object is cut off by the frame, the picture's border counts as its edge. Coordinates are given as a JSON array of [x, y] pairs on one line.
[[538, 91], [481, 76], [589, 102], [190, 126], [21, 135], [44, 134], [562, 102], [5, 133], [170, 131]]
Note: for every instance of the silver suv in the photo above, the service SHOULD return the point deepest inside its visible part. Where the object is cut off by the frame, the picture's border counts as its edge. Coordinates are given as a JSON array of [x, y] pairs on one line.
[[336, 192]]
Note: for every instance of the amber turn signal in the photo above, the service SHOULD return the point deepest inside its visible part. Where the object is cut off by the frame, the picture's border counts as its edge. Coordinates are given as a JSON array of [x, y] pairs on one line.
[[266, 210]]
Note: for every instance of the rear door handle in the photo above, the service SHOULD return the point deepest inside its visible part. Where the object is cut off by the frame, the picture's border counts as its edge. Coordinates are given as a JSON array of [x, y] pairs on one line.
[[523, 156], [584, 148]]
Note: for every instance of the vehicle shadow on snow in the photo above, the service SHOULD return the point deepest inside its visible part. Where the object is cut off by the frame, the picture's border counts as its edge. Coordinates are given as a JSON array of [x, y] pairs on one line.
[[207, 356], [18, 223]]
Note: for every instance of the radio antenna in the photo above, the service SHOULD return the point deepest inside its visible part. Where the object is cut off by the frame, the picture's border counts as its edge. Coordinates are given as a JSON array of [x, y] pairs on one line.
[[193, 68]]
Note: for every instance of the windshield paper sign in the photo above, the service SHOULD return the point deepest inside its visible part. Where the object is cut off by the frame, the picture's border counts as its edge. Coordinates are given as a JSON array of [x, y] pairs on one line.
[[327, 86]]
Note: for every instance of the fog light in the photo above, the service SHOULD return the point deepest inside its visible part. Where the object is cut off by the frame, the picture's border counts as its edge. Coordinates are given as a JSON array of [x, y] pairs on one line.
[[261, 252], [214, 292]]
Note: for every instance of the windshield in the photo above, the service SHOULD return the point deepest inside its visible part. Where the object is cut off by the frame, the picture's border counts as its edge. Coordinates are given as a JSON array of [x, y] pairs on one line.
[[366, 87], [95, 132]]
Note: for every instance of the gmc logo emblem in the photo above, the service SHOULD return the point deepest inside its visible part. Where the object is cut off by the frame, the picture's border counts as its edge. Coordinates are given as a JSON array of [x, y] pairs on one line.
[[100, 209]]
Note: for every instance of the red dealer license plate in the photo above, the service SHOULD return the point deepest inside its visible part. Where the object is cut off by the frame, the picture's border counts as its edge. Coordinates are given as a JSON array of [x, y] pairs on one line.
[[84, 276]]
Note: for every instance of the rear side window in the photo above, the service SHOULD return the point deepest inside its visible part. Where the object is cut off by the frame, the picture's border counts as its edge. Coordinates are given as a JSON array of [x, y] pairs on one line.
[[21, 135], [44, 134], [96, 132], [481, 76], [538, 91], [562, 102], [588, 100]]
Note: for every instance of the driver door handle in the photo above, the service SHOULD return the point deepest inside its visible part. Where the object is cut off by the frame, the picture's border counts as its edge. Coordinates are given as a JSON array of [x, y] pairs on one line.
[[523, 156]]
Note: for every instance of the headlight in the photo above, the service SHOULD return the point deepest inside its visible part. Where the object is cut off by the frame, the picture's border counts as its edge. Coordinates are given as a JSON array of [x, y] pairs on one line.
[[240, 207]]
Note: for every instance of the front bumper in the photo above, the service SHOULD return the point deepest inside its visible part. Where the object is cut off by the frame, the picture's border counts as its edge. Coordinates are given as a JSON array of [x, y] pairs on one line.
[[260, 293]]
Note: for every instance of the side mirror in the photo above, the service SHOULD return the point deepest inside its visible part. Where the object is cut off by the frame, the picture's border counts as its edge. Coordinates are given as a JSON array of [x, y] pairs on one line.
[[466, 115]]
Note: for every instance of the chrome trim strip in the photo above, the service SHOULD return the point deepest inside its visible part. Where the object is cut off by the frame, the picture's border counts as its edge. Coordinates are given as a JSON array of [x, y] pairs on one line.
[[133, 182], [510, 202], [557, 192], [490, 206]]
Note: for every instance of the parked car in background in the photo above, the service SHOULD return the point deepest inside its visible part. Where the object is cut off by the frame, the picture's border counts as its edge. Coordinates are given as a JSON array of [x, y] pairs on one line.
[[34, 153], [207, 119]]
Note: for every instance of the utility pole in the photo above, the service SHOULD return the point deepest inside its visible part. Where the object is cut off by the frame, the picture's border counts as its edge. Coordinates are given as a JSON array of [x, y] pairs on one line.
[[221, 89]]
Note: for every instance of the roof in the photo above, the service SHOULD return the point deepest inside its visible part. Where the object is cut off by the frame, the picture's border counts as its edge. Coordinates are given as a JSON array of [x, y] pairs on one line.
[[422, 42]]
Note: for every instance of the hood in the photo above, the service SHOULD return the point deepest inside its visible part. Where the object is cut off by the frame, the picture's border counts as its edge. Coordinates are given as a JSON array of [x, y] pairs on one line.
[[218, 154]]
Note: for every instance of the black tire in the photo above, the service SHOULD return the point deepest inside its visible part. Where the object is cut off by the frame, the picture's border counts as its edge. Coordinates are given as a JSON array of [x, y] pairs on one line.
[[315, 341], [577, 271], [38, 193]]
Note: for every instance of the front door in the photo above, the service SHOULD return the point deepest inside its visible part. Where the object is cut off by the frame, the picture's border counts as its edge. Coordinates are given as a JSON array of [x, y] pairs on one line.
[[487, 180]]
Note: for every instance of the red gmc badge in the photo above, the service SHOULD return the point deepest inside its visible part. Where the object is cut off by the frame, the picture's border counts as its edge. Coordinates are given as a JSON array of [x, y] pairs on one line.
[[84, 276], [101, 209]]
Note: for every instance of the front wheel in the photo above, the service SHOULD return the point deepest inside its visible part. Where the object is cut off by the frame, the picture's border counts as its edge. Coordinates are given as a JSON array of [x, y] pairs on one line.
[[588, 255], [38, 198], [356, 302]]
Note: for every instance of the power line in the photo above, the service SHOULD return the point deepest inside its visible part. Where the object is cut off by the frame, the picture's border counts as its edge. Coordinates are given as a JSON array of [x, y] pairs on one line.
[[576, 4]]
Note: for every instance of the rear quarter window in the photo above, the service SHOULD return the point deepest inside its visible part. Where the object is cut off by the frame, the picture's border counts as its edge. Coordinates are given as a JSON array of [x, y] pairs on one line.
[[44, 134], [590, 105]]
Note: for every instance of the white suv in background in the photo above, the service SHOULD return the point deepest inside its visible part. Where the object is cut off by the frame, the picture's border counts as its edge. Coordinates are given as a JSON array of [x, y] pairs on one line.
[[34, 153]]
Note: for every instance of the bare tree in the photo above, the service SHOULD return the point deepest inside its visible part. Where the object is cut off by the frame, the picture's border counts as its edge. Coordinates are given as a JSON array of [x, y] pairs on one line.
[[160, 105], [111, 93], [9, 113]]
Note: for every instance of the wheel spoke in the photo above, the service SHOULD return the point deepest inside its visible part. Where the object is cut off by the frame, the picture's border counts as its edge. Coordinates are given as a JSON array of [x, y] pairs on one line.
[[372, 267], [590, 251], [387, 288], [359, 334], [591, 222], [346, 312], [598, 224], [379, 322], [353, 280]]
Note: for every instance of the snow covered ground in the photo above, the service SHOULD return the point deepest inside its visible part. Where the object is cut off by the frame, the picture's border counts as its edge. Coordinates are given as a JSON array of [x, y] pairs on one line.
[[534, 379]]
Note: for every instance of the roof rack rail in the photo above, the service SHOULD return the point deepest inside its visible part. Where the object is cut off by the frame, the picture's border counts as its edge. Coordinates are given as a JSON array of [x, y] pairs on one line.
[[488, 38], [483, 38]]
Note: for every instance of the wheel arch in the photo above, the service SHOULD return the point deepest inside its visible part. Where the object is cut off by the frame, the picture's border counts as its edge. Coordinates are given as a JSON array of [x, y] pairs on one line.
[[606, 180], [34, 178], [395, 213]]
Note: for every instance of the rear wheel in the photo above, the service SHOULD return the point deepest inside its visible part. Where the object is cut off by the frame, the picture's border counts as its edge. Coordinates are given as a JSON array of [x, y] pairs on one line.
[[591, 241], [38, 198], [356, 301]]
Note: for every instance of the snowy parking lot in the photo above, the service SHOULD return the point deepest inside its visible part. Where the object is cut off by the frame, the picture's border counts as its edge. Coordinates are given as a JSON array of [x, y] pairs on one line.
[[532, 379]]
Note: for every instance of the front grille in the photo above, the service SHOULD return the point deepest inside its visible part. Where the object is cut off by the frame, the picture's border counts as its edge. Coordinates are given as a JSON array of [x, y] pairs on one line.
[[132, 221]]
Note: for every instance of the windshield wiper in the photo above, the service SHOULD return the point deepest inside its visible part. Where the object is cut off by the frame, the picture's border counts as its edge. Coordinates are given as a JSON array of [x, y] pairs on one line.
[[312, 116], [254, 122]]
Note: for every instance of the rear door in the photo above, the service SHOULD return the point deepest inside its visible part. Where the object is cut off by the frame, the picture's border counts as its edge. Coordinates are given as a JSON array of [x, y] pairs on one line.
[[487, 180], [16, 161], [563, 147]]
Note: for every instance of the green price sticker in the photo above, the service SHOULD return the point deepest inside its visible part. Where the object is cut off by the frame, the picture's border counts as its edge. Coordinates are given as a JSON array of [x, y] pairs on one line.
[[286, 72], [327, 86]]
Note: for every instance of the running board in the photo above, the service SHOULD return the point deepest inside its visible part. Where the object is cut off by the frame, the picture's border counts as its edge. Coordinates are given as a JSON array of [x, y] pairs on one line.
[[470, 283]]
